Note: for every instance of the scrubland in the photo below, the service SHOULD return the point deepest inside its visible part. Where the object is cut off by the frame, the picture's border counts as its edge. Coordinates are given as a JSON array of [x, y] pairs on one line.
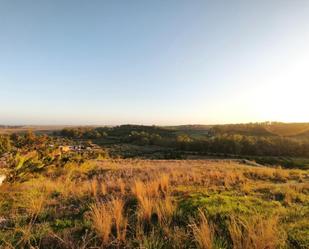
[[157, 204]]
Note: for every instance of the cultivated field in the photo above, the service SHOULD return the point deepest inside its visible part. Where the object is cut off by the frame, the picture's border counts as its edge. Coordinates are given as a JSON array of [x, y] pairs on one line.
[[157, 204]]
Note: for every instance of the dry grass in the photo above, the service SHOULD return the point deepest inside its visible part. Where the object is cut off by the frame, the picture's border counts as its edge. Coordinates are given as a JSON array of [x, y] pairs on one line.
[[102, 221], [165, 209], [103, 188], [164, 183], [255, 233], [167, 195], [117, 210], [105, 216], [246, 187], [138, 189], [148, 195], [152, 189], [36, 205], [94, 188], [146, 208], [203, 232], [122, 186]]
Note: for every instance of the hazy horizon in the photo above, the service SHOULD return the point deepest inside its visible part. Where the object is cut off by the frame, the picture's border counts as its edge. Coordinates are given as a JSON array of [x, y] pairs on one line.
[[29, 125], [161, 62]]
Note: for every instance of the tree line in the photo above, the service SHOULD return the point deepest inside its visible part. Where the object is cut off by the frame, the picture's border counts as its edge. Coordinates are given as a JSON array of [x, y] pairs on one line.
[[221, 141]]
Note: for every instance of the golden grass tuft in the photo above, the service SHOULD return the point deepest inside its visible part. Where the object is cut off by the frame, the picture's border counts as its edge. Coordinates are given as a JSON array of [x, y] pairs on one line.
[[122, 186], [145, 194], [94, 188], [106, 215], [103, 188], [138, 189], [146, 207], [102, 219], [164, 183], [153, 188], [37, 205], [117, 210], [255, 233], [203, 232], [165, 209]]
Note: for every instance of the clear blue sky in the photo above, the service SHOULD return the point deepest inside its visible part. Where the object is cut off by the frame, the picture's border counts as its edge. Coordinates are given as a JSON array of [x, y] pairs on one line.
[[153, 62]]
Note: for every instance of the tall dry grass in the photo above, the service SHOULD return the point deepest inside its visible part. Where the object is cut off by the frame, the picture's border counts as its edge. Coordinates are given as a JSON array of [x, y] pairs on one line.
[[122, 186], [257, 232], [146, 194], [105, 216], [203, 232], [103, 188], [164, 182], [158, 190], [165, 209], [146, 208], [138, 189], [94, 188], [120, 221], [102, 219]]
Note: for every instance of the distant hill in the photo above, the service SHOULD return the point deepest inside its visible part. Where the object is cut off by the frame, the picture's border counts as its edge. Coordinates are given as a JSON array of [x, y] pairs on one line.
[[297, 130], [195, 127], [266, 129], [288, 129], [194, 131], [44, 129], [250, 129]]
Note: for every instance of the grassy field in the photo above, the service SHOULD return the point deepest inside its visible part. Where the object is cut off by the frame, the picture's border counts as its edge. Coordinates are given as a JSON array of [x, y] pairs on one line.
[[39, 129], [157, 204], [288, 129]]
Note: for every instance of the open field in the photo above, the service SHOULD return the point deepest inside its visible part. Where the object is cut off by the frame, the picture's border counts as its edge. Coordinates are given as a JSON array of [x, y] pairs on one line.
[[154, 124], [288, 129], [157, 204], [252, 141], [39, 129]]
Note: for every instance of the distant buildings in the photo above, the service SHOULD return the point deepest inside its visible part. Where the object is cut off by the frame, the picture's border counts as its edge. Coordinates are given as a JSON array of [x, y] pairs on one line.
[[76, 148]]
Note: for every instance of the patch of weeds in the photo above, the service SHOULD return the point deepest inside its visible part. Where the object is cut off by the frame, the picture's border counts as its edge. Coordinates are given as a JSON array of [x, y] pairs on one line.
[[152, 241], [62, 224], [298, 235], [224, 205]]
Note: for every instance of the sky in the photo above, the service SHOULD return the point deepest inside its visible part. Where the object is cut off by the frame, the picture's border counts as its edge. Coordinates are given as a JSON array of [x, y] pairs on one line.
[[162, 62]]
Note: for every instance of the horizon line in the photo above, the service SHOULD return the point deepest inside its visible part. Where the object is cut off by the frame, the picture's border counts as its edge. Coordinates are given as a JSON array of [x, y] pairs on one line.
[[143, 124]]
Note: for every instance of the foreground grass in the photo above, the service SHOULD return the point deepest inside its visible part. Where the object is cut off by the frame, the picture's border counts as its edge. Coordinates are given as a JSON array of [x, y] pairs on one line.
[[157, 204]]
